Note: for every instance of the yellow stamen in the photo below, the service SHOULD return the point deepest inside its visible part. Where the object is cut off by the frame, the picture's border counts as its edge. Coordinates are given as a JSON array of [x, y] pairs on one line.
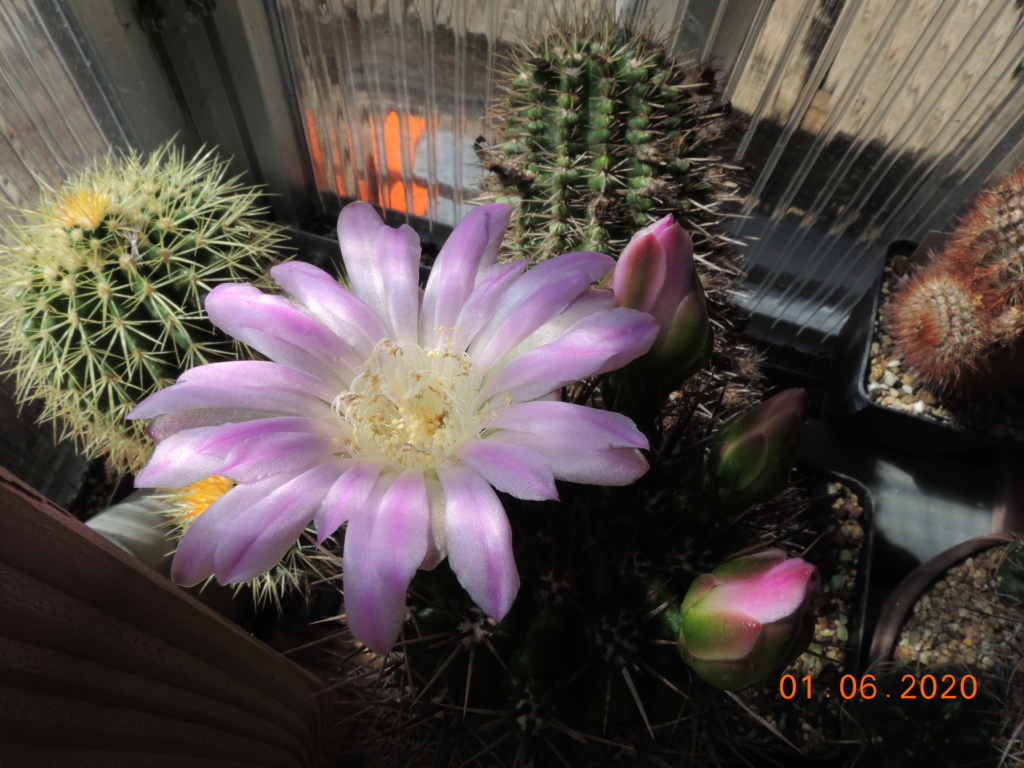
[[410, 406], [193, 500]]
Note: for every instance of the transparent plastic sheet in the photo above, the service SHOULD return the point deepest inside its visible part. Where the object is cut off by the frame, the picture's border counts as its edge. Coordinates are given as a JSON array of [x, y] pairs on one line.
[[869, 121], [47, 124]]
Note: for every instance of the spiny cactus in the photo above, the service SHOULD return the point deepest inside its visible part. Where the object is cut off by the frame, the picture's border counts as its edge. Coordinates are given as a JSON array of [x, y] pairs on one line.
[[959, 321], [599, 133], [586, 668], [103, 282], [936, 323]]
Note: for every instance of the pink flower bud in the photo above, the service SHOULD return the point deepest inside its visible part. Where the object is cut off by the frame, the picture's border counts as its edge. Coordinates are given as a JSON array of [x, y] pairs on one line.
[[656, 274], [747, 618]]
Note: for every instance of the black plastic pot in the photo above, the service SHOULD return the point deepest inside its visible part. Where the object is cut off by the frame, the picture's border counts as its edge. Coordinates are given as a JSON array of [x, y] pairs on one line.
[[847, 402]]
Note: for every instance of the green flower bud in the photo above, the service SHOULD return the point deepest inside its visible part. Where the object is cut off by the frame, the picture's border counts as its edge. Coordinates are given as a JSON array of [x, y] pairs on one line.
[[751, 457]]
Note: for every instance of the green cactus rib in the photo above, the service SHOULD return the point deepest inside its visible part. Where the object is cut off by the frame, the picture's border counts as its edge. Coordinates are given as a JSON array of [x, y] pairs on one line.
[[600, 133], [103, 284]]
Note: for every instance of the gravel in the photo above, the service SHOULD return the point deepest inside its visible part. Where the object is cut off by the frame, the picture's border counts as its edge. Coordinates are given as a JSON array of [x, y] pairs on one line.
[[889, 385], [960, 620]]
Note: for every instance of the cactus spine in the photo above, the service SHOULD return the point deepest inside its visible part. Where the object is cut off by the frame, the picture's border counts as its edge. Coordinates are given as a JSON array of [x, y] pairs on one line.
[[959, 321], [599, 134], [103, 284]]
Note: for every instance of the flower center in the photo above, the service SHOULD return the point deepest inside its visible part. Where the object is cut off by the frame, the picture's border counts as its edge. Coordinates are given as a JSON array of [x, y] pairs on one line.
[[410, 406]]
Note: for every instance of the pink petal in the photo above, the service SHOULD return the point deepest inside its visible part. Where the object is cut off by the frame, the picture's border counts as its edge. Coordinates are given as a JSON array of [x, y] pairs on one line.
[[260, 535], [383, 265], [347, 495], [639, 274], [472, 246], [538, 296], [278, 329], [582, 428], [587, 303], [767, 598], [514, 469], [582, 445], [483, 302], [177, 461], [385, 542], [348, 316], [601, 342], [250, 460], [252, 384], [479, 540], [569, 461], [242, 451], [168, 424], [194, 558]]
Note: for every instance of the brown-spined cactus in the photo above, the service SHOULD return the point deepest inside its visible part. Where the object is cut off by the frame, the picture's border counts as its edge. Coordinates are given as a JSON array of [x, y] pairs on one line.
[[102, 284], [958, 321]]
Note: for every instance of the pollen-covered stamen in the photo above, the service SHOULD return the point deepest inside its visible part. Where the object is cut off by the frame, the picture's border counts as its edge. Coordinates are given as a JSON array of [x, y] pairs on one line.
[[411, 406]]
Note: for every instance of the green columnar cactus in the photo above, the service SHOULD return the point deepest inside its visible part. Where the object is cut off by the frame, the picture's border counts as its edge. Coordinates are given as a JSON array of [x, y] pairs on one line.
[[101, 288], [601, 133]]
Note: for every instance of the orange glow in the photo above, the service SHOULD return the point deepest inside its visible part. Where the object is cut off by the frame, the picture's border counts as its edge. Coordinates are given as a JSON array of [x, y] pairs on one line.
[[315, 149], [392, 195]]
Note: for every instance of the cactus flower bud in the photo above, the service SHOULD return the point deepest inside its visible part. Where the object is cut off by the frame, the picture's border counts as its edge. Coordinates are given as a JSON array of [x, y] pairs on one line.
[[747, 618], [656, 274], [752, 456]]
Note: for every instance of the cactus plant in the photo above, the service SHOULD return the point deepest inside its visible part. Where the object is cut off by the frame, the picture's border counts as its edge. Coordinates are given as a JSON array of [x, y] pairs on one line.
[[102, 288], [589, 665], [958, 322], [602, 133], [599, 132]]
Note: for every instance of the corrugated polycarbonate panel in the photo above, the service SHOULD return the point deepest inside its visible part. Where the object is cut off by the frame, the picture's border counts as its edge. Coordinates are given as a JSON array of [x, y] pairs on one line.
[[46, 126], [869, 120]]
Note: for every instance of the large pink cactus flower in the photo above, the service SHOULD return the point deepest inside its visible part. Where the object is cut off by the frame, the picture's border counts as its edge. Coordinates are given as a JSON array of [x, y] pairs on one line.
[[396, 410]]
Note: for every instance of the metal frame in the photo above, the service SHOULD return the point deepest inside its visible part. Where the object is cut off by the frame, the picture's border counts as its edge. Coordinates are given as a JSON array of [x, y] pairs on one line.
[[208, 73]]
